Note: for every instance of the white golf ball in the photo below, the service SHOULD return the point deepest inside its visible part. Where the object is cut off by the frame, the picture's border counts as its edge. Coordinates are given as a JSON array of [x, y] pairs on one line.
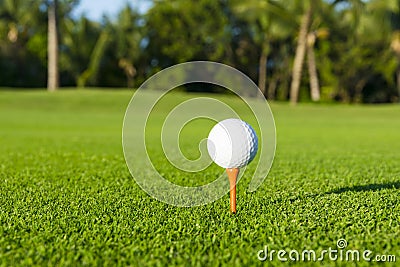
[[232, 143]]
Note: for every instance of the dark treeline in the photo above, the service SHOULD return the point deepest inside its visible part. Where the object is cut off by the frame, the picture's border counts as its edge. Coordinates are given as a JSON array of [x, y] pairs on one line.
[[295, 50]]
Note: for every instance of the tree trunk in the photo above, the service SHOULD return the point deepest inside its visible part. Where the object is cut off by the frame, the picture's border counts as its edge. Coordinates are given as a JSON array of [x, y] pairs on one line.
[[52, 48], [312, 68], [395, 45], [357, 98], [130, 74], [398, 80], [262, 72], [272, 88], [299, 57], [95, 60]]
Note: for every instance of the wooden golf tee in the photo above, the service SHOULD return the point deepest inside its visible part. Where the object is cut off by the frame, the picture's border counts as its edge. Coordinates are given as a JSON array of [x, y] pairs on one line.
[[232, 176]]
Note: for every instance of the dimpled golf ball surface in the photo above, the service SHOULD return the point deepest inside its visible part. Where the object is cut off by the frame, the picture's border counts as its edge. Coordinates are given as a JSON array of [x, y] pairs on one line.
[[232, 143]]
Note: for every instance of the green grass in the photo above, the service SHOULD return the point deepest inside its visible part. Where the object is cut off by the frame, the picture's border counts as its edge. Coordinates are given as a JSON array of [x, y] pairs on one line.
[[67, 198]]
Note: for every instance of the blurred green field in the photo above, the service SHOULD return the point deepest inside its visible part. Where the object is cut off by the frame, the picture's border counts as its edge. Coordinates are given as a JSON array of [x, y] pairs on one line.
[[67, 198]]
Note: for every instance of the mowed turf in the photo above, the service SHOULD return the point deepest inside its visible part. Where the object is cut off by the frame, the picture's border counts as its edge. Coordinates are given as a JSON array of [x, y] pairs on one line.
[[67, 197]]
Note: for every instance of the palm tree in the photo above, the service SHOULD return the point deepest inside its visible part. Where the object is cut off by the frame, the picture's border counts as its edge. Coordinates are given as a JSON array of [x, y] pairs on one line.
[[390, 9], [75, 58], [355, 19], [378, 22], [12, 20], [320, 33], [52, 47], [301, 51], [312, 28], [271, 21], [312, 67], [395, 45], [95, 59], [395, 40], [128, 37], [21, 26]]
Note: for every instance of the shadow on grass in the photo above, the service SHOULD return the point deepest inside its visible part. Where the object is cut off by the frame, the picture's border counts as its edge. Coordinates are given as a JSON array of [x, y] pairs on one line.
[[356, 188], [368, 187]]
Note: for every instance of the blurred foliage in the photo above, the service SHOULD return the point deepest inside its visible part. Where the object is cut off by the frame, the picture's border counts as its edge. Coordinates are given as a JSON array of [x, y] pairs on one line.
[[356, 44]]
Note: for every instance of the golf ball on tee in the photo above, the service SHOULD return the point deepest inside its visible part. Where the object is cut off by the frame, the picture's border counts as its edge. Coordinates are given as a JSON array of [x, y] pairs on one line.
[[232, 143]]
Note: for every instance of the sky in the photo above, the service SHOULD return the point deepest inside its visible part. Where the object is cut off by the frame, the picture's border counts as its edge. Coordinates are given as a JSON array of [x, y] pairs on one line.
[[94, 9]]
